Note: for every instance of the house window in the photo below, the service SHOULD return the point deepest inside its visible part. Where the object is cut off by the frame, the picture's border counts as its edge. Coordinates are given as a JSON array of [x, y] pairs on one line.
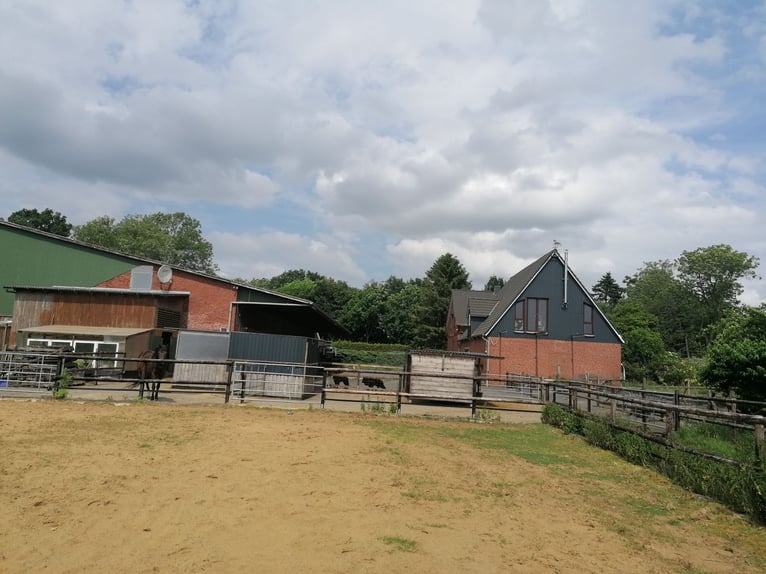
[[537, 315], [518, 317], [587, 320]]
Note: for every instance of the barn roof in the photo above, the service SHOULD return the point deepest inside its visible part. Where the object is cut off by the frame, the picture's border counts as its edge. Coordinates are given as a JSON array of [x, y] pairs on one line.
[[74, 330]]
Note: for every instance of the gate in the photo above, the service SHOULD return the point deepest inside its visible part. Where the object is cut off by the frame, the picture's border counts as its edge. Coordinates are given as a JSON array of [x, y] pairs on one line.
[[278, 381], [28, 371]]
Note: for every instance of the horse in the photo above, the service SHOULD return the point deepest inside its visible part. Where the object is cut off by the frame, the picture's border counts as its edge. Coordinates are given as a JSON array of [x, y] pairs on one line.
[[152, 372]]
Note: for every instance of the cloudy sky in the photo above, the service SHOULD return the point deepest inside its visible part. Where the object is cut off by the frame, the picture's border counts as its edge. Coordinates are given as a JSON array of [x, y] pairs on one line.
[[365, 139]]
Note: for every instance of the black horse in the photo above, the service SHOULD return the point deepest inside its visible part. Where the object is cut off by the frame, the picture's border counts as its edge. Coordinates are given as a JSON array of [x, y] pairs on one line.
[[152, 372]]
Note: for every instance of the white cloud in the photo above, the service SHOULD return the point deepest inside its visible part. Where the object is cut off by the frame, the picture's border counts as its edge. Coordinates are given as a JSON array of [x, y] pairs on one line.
[[381, 136]]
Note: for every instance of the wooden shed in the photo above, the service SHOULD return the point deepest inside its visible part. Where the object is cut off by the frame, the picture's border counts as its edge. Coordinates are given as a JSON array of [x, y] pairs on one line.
[[444, 373]]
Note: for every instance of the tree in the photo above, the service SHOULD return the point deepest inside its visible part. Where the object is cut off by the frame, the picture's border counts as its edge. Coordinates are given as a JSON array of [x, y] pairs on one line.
[[736, 359], [45, 220], [643, 353], [713, 274], [173, 238], [362, 314], [446, 274], [607, 290], [494, 281], [679, 315], [400, 314]]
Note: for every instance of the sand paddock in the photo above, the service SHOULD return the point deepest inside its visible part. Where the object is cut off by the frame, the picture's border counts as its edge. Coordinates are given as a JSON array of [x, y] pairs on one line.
[[102, 487]]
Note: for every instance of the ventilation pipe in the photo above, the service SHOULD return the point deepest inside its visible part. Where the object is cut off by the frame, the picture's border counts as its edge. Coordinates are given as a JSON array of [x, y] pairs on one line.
[[566, 278]]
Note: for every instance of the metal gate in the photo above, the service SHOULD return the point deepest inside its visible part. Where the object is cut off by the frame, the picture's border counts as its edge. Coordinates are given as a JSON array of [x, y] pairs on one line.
[[278, 381], [27, 371]]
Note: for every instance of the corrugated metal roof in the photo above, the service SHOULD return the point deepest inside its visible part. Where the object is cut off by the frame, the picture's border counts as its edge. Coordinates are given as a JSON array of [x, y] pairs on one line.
[[85, 330], [67, 288]]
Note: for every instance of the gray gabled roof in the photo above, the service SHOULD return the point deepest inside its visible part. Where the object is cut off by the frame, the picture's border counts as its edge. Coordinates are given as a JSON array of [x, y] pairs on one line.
[[516, 286], [512, 290], [472, 303]]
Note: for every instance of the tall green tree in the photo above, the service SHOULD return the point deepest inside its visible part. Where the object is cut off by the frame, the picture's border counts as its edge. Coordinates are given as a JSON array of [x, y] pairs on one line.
[[713, 274], [401, 312], [736, 359], [607, 290], [446, 274], [644, 352], [45, 220], [679, 315], [363, 313], [173, 238]]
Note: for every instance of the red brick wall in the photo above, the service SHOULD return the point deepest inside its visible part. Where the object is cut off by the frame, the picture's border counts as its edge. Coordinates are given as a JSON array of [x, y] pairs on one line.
[[548, 358], [209, 300]]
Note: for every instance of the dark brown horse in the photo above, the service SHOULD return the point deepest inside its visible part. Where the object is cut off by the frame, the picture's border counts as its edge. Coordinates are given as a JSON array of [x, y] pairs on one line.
[[151, 372]]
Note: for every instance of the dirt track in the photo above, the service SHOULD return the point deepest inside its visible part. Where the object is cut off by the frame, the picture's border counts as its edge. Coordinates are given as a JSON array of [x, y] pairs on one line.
[[167, 488]]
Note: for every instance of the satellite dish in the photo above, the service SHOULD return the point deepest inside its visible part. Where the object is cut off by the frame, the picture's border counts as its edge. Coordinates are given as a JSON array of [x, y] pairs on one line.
[[165, 274]]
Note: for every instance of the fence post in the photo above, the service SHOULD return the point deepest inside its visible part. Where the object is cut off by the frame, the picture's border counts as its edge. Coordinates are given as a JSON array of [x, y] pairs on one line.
[[243, 380], [400, 384], [676, 414], [613, 410], [324, 386], [229, 374], [670, 417], [760, 451], [589, 399], [573, 399]]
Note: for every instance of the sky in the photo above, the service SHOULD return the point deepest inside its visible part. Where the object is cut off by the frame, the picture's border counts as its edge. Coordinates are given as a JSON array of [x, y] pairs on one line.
[[362, 140]]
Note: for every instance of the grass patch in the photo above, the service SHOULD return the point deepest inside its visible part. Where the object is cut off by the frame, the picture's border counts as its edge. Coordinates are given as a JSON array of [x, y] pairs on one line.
[[400, 543], [736, 444]]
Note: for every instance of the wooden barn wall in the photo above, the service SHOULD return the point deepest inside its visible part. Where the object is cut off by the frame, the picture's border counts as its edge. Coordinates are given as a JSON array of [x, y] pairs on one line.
[[34, 309], [441, 365]]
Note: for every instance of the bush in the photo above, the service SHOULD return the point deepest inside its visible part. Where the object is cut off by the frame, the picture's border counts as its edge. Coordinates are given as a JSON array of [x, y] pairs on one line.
[[742, 486]]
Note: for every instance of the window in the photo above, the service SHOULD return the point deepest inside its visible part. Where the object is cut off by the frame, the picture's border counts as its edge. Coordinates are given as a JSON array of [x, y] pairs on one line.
[[587, 320], [518, 317], [141, 278], [537, 315]]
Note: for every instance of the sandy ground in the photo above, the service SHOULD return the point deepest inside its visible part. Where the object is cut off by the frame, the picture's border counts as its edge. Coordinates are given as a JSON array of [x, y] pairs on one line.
[[139, 488]]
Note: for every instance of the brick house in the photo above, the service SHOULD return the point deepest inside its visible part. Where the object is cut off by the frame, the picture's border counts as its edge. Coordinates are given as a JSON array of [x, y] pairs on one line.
[[542, 323]]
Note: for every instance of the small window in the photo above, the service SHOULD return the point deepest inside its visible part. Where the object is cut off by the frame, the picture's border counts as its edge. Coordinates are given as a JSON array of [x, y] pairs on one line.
[[587, 320], [141, 278], [518, 317], [537, 315]]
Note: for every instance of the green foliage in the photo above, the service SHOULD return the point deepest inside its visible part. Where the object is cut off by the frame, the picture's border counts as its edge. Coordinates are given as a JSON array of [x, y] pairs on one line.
[[736, 360], [400, 543], [607, 290], [643, 353], [446, 274], [713, 274], [172, 238], [678, 371], [60, 389], [45, 220], [363, 312], [494, 282], [740, 486], [372, 353]]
